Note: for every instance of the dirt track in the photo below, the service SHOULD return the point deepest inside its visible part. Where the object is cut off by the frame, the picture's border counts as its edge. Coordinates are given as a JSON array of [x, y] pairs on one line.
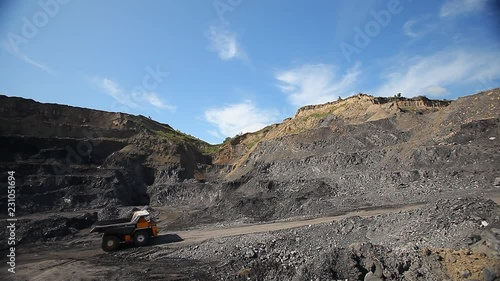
[[197, 236], [82, 258], [65, 262]]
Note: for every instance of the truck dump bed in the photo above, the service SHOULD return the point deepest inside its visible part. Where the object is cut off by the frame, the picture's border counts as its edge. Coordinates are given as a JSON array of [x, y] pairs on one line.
[[119, 225], [109, 222]]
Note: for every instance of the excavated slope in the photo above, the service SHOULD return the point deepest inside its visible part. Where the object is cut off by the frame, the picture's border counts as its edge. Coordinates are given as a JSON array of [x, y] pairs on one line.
[[68, 157], [364, 151]]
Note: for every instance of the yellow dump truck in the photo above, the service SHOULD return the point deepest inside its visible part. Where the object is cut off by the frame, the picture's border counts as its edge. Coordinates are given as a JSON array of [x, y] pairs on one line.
[[138, 229]]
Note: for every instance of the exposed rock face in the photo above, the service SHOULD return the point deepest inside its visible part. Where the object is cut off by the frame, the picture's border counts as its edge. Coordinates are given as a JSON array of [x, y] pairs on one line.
[[67, 157], [358, 152], [364, 151], [407, 115]]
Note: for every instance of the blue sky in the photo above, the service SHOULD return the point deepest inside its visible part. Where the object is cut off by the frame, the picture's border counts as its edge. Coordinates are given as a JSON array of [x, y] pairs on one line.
[[220, 67]]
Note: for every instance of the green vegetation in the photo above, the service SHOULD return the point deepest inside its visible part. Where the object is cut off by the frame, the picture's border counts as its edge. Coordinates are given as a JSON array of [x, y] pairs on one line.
[[175, 136], [320, 115], [178, 137], [210, 149], [314, 116], [253, 142]]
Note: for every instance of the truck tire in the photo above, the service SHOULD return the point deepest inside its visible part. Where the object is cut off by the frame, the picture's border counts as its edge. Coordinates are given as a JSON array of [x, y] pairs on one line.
[[141, 238], [110, 243]]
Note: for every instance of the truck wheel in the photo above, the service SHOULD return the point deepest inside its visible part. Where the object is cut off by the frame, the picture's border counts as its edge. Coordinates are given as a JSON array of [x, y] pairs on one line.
[[110, 243], [141, 238]]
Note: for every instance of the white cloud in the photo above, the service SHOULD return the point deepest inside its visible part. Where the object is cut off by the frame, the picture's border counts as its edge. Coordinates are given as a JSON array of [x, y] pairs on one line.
[[18, 54], [430, 75], [434, 90], [130, 100], [155, 101], [458, 7], [408, 28], [112, 89], [315, 84], [34, 63], [225, 43], [419, 27], [238, 118]]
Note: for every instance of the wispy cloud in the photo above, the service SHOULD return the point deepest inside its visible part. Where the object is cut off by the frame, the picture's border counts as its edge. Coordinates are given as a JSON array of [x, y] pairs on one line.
[[132, 100], [420, 26], [408, 28], [316, 83], [238, 118], [435, 90], [34, 63], [153, 99], [458, 7], [430, 75], [112, 89], [21, 56], [417, 28], [225, 43]]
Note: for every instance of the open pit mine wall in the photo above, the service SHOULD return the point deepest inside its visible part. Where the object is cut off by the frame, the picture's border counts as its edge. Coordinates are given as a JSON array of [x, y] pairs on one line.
[[338, 155], [361, 151], [67, 157]]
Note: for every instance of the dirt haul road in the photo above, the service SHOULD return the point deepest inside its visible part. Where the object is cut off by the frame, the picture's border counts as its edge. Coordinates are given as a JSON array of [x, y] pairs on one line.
[[198, 236]]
